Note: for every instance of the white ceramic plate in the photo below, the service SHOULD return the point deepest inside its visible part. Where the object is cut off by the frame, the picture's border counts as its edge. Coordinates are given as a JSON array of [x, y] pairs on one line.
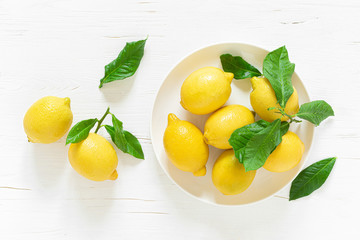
[[167, 101]]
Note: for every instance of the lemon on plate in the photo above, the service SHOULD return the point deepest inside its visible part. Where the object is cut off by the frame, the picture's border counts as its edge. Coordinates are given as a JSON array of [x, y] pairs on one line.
[[286, 155], [94, 158], [48, 119], [229, 176], [263, 97], [206, 90], [222, 123], [185, 147]]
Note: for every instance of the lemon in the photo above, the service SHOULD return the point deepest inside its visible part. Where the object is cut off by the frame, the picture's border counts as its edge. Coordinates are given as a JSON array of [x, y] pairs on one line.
[[222, 123], [263, 97], [286, 155], [206, 90], [229, 176], [48, 119], [185, 147], [94, 158]]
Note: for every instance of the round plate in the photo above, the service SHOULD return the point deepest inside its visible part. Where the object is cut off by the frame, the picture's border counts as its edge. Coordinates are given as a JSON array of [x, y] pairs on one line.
[[167, 101]]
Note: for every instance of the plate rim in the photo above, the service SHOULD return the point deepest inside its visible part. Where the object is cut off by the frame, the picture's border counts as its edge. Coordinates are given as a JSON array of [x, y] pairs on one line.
[[157, 156]]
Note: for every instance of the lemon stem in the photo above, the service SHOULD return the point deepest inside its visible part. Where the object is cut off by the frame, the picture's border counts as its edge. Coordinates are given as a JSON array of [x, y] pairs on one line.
[[102, 119], [283, 113]]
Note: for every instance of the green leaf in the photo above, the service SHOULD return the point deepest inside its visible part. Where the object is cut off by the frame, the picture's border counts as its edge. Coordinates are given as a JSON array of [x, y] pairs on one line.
[[315, 111], [238, 66], [311, 178], [241, 136], [278, 70], [80, 131], [125, 141], [239, 154], [284, 128], [111, 131], [133, 145], [119, 137], [126, 64], [260, 146]]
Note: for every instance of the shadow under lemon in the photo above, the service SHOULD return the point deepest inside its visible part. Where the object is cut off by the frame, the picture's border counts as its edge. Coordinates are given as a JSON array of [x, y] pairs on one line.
[[50, 162]]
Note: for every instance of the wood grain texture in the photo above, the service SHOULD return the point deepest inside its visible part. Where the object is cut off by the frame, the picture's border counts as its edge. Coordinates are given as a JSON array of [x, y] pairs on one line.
[[61, 47]]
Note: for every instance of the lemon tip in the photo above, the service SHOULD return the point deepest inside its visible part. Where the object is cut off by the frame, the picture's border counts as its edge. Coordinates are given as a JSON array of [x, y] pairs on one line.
[[200, 172], [183, 105], [114, 175], [172, 117], [67, 101]]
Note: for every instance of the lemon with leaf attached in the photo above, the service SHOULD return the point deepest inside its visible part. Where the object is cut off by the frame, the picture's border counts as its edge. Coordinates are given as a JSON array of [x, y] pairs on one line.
[[206, 90], [48, 119], [229, 176], [185, 147], [263, 97], [222, 123], [94, 158]]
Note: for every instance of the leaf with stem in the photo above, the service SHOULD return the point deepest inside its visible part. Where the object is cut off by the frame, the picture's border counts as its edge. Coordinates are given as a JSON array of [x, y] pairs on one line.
[[111, 131], [311, 178], [278, 70], [241, 136], [315, 111], [119, 138], [283, 113], [124, 140], [126, 64], [133, 145], [238, 66], [80, 131], [260, 146]]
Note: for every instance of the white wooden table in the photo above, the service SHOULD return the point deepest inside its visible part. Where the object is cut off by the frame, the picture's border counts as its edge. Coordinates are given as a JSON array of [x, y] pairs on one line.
[[60, 48]]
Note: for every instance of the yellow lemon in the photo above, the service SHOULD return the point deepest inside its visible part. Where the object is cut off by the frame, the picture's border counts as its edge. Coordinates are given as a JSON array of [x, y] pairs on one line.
[[263, 97], [206, 90], [48, 119], [185, 146], [94, 158], [229, 176], [222, 123], [286, 155]]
